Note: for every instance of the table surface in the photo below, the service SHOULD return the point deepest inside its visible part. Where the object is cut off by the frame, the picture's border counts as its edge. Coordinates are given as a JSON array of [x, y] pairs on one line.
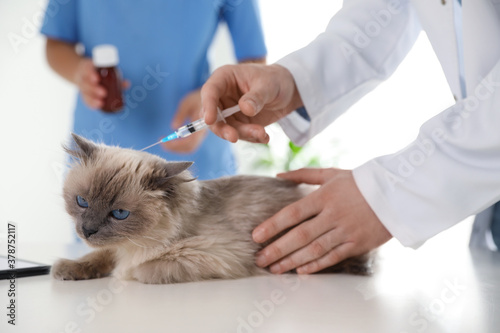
[[441, 287]]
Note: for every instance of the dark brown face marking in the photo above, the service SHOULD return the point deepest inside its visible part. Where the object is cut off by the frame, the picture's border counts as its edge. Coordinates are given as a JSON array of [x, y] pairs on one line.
[[111, 178]]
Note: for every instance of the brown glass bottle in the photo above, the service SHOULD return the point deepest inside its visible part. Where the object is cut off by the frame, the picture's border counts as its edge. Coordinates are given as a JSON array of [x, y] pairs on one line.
[[110, 79], [105, 58]]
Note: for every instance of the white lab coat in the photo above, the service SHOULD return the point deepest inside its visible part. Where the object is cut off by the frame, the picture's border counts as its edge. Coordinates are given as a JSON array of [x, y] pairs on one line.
[[452, 169]]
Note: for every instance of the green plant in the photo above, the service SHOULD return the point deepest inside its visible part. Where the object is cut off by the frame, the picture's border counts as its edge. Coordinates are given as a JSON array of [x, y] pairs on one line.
[[294, 153], [281, 155]]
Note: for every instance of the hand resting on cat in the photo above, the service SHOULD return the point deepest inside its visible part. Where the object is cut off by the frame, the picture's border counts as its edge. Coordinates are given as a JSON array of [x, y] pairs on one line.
[[150, 221]]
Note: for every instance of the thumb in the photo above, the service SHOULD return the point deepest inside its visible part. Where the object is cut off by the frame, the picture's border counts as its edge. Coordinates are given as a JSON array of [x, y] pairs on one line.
[[88, 71], [254, 101], [308, 175]]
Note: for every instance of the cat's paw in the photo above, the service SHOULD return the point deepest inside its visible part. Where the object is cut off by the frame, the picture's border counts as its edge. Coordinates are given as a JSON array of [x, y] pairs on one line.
[[65, 269]]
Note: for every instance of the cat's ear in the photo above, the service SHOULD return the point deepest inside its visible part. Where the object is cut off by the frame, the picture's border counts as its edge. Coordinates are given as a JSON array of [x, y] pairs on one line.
[[175, 168], [165, 177], [83, 148]]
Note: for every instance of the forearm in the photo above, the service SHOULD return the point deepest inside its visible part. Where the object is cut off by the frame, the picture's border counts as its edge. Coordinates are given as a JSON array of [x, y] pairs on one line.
[[63, 59]]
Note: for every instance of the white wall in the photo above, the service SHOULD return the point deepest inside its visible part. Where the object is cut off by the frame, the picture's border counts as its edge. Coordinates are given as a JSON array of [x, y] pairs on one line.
[[36, 109], [383, 121], [34, 121]]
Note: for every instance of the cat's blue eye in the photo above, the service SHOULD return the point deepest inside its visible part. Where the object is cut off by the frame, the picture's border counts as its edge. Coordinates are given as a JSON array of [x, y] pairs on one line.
[[120, 214], [82, 202]]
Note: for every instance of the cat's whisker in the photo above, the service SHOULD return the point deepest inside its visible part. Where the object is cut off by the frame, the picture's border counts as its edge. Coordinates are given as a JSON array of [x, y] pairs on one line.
[[155, 239], [145, 247]]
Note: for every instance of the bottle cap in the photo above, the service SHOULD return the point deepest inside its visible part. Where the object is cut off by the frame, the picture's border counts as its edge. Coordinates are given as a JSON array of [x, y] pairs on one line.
[[105, 55]]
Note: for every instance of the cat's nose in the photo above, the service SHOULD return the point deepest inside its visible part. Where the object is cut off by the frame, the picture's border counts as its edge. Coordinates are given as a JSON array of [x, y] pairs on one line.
[[88, 232]]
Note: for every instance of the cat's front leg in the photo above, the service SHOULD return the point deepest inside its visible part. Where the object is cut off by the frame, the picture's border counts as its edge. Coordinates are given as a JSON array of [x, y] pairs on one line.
[[94, 265], [185, 270], [160, 272], [197, 259]]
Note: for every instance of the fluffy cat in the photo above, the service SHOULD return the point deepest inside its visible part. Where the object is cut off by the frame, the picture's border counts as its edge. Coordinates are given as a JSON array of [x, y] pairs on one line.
[[150, 221]]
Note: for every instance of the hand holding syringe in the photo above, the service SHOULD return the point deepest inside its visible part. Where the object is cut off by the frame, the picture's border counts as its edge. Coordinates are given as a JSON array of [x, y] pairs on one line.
[[195, 126]]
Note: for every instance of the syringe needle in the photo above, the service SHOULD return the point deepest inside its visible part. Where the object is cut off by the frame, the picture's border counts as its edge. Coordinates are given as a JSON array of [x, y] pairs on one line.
[[196, 126], [154, 144]]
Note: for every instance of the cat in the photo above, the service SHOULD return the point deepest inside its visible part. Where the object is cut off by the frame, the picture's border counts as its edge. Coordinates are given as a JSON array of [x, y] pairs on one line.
[[151, 221]]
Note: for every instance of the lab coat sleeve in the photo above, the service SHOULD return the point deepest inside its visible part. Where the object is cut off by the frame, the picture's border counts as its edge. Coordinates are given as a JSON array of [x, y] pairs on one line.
[[451, 171], [362, 45]]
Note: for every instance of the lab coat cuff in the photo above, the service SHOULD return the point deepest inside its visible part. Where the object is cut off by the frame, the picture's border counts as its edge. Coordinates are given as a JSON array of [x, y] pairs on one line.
[[367, 178], [296, 128], [294, 125]]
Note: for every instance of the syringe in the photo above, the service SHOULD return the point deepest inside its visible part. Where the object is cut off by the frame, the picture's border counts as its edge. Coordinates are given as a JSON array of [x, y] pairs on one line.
[[196, 126]]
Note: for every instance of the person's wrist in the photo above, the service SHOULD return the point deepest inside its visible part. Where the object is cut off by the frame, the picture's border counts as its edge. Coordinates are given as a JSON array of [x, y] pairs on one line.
[[78, 70], [286, 76]]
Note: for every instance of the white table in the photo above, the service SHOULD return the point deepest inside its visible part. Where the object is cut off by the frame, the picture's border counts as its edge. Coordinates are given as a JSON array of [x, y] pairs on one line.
[[442, 287]]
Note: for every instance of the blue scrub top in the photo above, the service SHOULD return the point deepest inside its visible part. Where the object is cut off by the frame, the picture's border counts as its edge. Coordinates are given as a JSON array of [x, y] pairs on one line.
[[162, 46]]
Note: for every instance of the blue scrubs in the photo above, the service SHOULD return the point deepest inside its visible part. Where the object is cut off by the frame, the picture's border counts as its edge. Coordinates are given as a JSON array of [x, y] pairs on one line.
[[162, 46]]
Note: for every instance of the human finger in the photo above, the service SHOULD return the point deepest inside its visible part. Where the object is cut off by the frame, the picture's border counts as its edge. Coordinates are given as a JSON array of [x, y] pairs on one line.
[[249, 132], [287, 217], [93, 96], [86, 69], [93, 103], [225, 131], [253, 133], [233, 130], [332, 257], [314, 176], [252, 86], [254, 100], [93, 90], [212, 92], [88, 82], [91, 76], [282, 249], [312, 251]]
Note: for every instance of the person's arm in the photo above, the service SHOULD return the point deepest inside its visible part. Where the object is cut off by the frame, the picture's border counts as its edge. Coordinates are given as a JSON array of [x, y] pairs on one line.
[[243, 21], [64, 60], [448, 173], [333, 72], [335, 222], [62, 31]]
